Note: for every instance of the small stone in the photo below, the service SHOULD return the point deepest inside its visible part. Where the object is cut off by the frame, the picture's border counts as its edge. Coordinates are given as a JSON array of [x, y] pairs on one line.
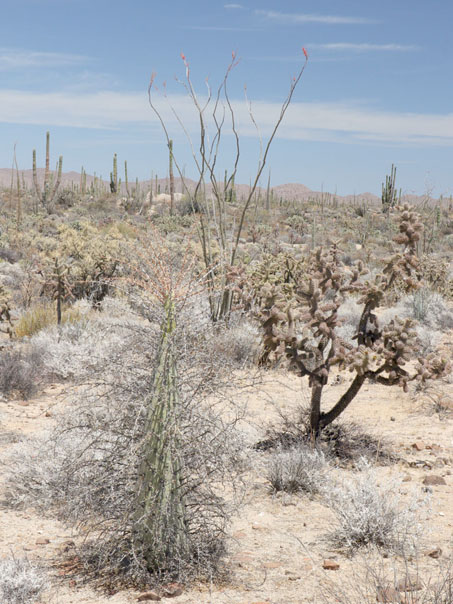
[[149, 595], [433, 480], [271, 565], [418, 446], [330, 565], [393, 419], [407, 478], [42, 541], [257, 527], [48, 414], [172, 590], [434, 553], [23, 403]]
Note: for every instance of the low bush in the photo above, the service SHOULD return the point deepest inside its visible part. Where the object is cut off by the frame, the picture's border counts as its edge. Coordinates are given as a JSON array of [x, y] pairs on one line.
[[298, 469], [369, 513], [20, 582], [20, 372]]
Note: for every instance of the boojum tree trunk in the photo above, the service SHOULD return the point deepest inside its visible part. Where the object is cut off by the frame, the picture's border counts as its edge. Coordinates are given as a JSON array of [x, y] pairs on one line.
[[160, 530]]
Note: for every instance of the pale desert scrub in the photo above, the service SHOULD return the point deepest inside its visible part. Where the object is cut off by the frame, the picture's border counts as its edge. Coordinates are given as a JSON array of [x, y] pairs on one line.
[[299, 469], [372, 512], [20, 582]]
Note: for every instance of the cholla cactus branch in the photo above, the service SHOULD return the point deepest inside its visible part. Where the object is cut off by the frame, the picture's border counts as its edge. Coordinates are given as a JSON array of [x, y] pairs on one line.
[[297, 306]]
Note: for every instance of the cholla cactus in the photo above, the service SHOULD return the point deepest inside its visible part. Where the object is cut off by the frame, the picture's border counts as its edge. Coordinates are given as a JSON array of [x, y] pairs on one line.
[[298, 309], [5, 311]]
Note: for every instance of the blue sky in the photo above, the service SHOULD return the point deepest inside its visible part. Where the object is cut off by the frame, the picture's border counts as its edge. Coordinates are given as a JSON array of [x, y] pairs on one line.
[[377, 90]]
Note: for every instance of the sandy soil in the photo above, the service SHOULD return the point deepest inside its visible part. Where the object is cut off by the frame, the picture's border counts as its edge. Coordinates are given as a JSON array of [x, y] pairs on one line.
[[278, 546]]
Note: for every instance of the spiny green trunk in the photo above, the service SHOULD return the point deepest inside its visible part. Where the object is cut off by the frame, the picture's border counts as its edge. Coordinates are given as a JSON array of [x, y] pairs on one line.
[[160, 530]]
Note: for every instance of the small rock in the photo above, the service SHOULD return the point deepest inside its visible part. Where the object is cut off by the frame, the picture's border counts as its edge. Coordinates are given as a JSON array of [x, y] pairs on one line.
[[393, 419], [330, 565], [433, 480], [48, 414], [42, 541], [23, 403], [434, 553], [418, 446], [407, 478], [149, 595], [172, 590]]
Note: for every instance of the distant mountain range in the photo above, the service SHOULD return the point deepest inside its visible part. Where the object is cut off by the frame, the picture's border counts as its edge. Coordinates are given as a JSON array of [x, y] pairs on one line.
[[287, 192]]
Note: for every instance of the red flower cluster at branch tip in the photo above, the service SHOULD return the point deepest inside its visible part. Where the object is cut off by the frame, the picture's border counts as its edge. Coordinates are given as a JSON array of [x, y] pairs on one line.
[[233, 54], [183, 56], [304, 50]]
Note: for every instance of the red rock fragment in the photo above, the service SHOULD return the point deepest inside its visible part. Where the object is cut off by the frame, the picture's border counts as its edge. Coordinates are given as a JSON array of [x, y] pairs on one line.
[[330, 565]]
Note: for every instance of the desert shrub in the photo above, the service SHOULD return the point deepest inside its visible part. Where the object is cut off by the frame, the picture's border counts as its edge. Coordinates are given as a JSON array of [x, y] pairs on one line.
[[20, 582], [171, 224], [298, 469], [237, 340], [369, 513], [9, 254], [41, 316], [20, 372], [187, 206], [428, 339], [430, 309]]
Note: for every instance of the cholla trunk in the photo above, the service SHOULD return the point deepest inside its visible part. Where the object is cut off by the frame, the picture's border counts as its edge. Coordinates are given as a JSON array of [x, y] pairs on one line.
[[160, 530]]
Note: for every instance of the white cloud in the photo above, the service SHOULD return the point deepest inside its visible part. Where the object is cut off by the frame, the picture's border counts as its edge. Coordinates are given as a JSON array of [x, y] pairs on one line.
[[11, 59], [339, 122], [309, 18], [364, 47]]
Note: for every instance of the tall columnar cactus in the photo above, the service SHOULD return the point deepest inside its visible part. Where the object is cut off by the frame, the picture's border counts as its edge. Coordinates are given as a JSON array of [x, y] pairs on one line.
[[160, 512], [114, 175], [389, 195], [46, 196], [126, 179]]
